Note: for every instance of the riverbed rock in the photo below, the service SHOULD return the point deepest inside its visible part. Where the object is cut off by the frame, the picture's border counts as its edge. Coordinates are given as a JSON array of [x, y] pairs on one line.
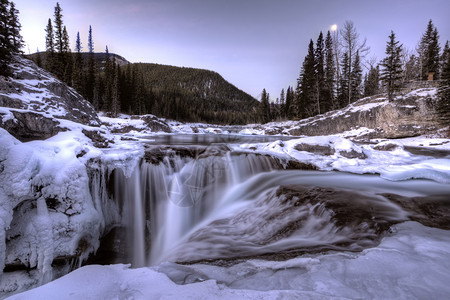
[[388, 146], [155, 124]]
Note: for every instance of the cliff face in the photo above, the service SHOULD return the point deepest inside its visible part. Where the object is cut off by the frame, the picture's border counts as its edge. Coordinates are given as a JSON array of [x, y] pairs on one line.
[[35, 105], [408, 115]]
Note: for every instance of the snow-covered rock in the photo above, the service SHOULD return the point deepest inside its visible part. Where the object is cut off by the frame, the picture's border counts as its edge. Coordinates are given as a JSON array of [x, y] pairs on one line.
[[335, 153], [408, 115], [34, 104], [52, 206]]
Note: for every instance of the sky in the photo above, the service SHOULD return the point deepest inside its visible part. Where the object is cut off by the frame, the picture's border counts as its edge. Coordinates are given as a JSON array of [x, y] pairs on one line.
[[254, 44]]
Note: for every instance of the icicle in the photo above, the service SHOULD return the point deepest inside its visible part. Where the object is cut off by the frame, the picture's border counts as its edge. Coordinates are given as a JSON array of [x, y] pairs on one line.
[[43, 228]]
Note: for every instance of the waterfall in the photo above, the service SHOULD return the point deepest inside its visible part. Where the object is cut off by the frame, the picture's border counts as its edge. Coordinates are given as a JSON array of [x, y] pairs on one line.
[[162, 203], [231, 206]]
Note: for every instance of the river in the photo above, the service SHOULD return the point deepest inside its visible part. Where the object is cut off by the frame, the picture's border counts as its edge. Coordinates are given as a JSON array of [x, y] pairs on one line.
[[218, 206]]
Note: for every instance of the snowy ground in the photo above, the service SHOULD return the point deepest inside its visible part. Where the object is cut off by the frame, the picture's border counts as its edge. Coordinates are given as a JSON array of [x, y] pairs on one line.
[[411, 264]]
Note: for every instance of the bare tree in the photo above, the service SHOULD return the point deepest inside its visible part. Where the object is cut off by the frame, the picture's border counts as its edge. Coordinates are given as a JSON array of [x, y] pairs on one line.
[[351, 44], [371, 62], [408, 64], [337, 54]]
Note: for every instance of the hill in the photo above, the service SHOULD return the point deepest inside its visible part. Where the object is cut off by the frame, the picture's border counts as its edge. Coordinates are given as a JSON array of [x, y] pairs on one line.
[[184, 94], [206, 94]]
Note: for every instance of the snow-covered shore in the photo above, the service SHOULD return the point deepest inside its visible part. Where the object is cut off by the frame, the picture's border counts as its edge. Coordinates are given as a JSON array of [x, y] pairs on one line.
[[411, 264]]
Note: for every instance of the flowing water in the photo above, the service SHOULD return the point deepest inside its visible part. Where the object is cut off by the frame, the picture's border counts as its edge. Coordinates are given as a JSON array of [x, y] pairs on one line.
[[229, 206]]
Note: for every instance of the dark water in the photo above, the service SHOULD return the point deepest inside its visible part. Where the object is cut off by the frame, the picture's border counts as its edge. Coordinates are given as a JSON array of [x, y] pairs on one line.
[[211, 139]]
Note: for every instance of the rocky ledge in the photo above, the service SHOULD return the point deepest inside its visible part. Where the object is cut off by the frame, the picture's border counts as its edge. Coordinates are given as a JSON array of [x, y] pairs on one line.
[[35, 105], [408, 115]]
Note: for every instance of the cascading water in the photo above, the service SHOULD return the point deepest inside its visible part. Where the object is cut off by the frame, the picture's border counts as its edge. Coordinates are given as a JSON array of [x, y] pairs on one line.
[[228, 206], [161, 203]]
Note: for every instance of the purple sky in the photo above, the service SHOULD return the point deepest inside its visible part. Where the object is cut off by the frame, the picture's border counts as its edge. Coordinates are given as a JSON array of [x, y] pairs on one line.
[[254, 44]]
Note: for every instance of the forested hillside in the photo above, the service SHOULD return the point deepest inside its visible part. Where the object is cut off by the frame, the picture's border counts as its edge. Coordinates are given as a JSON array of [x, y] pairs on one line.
[[204, 93], [114, 85]]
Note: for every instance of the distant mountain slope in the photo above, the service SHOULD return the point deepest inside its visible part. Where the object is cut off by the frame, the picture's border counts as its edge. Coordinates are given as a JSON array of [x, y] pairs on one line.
[[204, 91], [184, 94], [198, 82]]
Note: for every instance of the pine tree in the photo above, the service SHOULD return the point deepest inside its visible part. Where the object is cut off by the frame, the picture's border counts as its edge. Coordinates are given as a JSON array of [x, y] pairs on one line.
[[264, 107], [90, 41], [289, 107], [345, 81], [306, 92], [356, 79], [444, 57], [319, 60], [77, 81], [429, 52], [78, 46], [96, 93], [109, 79], [90, 77], [5, 46], [330, 75], [391, 74], [14, 28], [50, 46], [67, 58], [372, 82], [59, 35], [38, 58], [115, 104], [443, 107], [282, 104], [59, 58]]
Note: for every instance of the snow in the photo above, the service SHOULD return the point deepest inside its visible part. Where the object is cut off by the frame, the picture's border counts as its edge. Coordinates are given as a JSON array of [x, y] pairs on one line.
[[6, 115], [122, 121], [252, 131], [426, 142], [433, 169], [357, 132], [45, 170], [411, 263], [56, 168], [425, 92], [366, 107], [398, 164]]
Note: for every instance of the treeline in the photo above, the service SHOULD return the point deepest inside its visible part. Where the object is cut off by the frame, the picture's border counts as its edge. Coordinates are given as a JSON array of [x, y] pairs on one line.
[[332, 75], [10, 39], [184, 94]]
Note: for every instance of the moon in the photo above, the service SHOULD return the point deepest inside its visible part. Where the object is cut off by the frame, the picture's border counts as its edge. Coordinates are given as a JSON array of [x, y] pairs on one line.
[[333, 27]]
